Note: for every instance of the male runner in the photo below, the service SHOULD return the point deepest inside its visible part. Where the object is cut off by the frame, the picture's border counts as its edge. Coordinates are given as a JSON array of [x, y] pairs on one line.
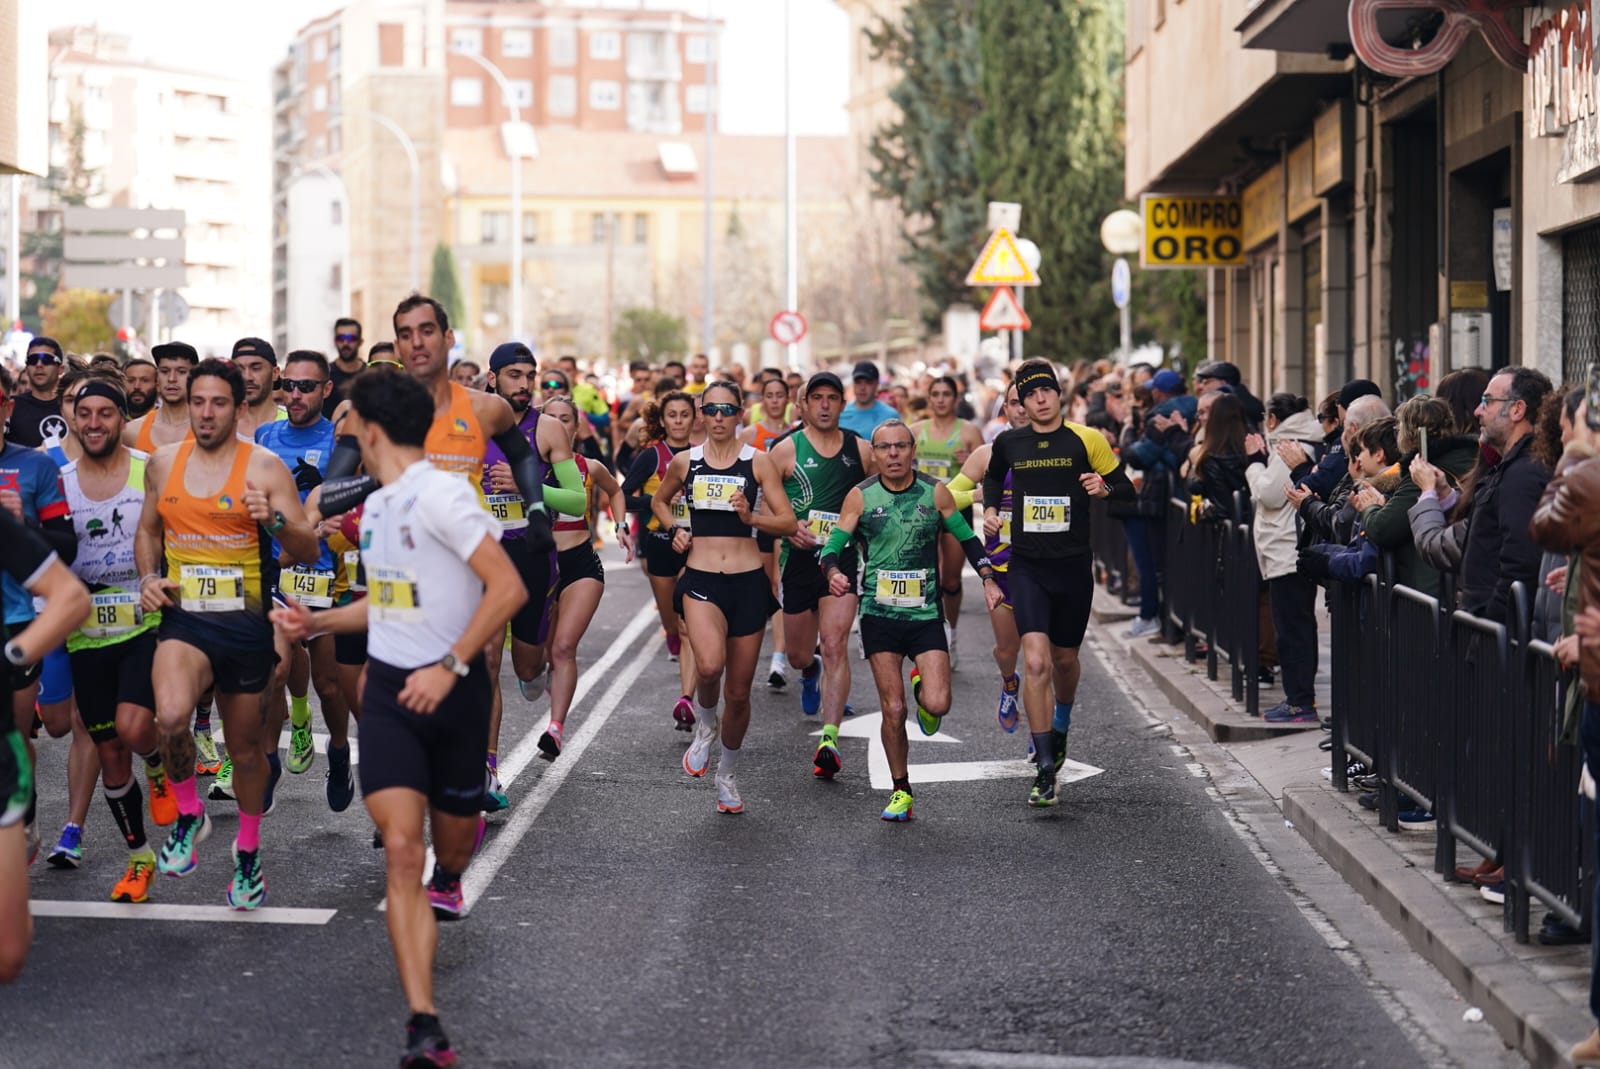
[[36, 411], [214, 506], [175, 360], [257, 361], [440, 590], [819, 464], [347, 365], [697, 369], [1055, 468], [897, 516], [139, 375]]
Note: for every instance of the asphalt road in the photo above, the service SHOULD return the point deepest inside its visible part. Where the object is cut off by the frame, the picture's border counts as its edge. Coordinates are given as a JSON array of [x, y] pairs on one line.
[[619, 920]]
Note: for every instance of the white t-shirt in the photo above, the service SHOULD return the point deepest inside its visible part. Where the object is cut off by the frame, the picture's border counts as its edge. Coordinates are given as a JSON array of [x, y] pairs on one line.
[[417, 534]]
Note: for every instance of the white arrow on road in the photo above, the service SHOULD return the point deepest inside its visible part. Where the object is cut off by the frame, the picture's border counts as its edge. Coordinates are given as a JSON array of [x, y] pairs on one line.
[[868, 726]]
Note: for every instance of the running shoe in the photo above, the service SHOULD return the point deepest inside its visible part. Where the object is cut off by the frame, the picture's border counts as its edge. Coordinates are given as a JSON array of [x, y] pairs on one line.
[[778, 674], [1043, 792], [444, 895], [728, 800], [177, 853], [811, 689], [339, 782], [269, 797], [302, 748], [533, 689], [222, 789], [494, 795], [898, 810], [926, 721], [68, 853], [426, 1047], [674, 645], [1284, 713], [683, 715], [826, 763], [163, 804], [550, 742], [697, 757], [249, 888], [135, 883], [1008, 714], [206, 758]]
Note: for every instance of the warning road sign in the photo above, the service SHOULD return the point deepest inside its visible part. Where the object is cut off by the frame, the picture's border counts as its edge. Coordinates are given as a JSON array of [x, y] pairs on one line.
[[1192, 231], [787, 328], [1004, 312], [1001, 263]]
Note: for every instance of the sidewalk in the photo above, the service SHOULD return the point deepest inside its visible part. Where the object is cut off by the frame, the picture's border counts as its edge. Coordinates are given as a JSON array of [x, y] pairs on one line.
[[1536, 997]]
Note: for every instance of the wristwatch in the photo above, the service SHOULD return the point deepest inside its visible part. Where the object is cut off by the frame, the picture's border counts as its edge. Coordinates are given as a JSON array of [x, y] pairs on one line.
[[15, 654], [454, 664], [278, 522]]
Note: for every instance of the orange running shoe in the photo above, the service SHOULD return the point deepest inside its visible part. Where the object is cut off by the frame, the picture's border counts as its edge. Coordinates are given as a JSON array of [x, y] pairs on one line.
[[163, 804], [135, 883]]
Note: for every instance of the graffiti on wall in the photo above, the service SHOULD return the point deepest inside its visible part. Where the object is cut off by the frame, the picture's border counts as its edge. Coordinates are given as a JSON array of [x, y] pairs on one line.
[[1410, 368]]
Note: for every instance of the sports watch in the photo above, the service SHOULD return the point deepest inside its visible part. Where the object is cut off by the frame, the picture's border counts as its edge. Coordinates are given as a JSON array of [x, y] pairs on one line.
[[454, 664]]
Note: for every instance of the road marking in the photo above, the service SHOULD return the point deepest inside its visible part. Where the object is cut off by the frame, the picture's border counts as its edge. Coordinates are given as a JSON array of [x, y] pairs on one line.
[[150, 911], [867, 727]]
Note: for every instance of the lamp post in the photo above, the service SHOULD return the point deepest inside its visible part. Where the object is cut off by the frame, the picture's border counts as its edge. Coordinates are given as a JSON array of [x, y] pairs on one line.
[[1031, 257], [416, 191], [509, 135], [1122, 232]]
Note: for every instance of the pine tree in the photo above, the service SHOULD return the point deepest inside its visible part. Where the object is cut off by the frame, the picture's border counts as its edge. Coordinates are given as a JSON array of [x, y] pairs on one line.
[[443, 285]]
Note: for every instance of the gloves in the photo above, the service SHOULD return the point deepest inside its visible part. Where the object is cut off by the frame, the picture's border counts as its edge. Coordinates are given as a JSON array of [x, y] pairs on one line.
[[1312, 565]]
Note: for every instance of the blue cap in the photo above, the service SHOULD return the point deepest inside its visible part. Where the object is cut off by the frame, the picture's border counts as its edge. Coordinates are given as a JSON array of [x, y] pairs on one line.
[[1167, 381], [511, 352]]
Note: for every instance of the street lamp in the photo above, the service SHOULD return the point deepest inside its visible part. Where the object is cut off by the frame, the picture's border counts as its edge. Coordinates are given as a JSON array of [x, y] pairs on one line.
[[517, 138], [416, 191], [1030, 256], [1122, 232]]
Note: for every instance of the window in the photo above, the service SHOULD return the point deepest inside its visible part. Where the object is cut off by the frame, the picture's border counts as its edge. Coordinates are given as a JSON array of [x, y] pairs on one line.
[[466, 39], [563, 46], [694, 99], [641, 229], [522, 92], [319, 98], [495, 227], [336, 277], [598, 228], [563, 95], [391, 44], [466, 92], [319, 49], [605, 96], [530, 228], [517, 44], [697, 48], [605, 44]]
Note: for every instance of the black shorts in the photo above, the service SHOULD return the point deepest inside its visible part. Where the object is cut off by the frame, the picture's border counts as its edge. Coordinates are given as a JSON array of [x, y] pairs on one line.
[[441, 754], [802, 584], [23, 676], [233, 670], [16, 776], [660, 559], [908, 638], [350, 650], [1052, 597], [105, 677], [579, 562], [745, 598], [531, 624]]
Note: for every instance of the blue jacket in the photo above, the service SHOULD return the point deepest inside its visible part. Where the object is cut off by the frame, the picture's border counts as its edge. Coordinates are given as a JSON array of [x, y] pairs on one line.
[[1163, 450]]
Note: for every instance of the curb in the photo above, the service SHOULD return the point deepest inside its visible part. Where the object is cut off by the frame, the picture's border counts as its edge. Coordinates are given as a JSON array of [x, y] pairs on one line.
[[1191, 693], [1109, 609], [1532, 1019]]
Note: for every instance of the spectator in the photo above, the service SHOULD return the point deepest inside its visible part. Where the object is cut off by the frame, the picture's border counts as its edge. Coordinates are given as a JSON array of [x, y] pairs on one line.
[[1332, 519], [1387, 525], [865, 413], [1217, 471], [1215, 374], [1556, 428], [1153, 446], [1461, 390]]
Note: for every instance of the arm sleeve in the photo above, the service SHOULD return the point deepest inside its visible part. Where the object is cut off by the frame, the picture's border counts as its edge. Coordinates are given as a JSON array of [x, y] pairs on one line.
[[345, 460], [970, 545], [345, 493], [1267, 482], [59, 536], [644, 465], [1438, 542], [570, 497], [837, 540], [994, 480], [27, 555], [524, 464], [961, 489]]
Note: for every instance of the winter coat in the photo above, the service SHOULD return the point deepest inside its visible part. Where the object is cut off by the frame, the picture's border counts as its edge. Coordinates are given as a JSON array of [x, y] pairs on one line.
[[1216, 482], [1389, 526], [1439, 542], [1275, 528], [1567, 520], [1333, 466], [1332, 520], [1498, 550]]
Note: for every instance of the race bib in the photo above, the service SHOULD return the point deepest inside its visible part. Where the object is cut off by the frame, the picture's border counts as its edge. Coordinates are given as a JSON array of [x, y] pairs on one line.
[[393, 595], [1005, 527], [311, 588], [209, 588], [508, 509], [821, 523], [1046, 515], [680, 513], [901, 589], [112, 613], [934, 467], [352, 569], [715, 492]]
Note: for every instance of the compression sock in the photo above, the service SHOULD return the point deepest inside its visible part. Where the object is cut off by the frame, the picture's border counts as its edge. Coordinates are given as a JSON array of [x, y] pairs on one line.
[[725, 760], [202, 718], [493, 761], [32, 813], [903, 784], [249, 838], [830, 733], [152, 761], [1044, 748], [299, 710], [443, 875], [188, 797], [127, 809], [1063, 717]]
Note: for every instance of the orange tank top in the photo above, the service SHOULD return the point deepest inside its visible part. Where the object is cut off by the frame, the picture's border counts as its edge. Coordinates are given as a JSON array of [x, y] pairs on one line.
[[147, 434], [765, 438], [456, 442], [216, 553]]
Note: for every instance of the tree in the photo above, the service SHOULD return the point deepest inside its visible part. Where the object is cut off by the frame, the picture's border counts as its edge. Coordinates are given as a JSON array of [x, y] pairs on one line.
[[1049, 138], [71, 183], [926, 159], [78, 320], [648, 334], [443, 285]]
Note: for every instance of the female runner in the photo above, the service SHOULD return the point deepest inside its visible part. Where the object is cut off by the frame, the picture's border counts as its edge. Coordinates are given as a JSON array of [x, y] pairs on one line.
[[944, 442], [762, 433]]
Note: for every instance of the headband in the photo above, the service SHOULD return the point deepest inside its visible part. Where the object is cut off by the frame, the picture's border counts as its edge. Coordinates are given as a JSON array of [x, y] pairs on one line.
[[1038, 379], [97, 388]]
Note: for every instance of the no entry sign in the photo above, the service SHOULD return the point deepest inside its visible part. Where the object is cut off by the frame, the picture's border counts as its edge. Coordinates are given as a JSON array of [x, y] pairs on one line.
[[788, 328]]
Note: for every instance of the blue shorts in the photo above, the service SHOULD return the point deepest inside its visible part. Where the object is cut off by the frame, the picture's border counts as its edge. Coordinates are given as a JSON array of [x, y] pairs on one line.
[[55, 677]]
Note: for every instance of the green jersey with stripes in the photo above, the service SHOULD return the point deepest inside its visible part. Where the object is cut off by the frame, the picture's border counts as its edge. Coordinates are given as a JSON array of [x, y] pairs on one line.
[[936, 457], [818, 484], [899, 535]]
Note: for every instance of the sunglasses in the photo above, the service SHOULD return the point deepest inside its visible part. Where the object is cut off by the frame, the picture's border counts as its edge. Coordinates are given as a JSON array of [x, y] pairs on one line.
[[391, 363], [347, 337], [720, 408], [553, 384], [301, 385], [49, 359]]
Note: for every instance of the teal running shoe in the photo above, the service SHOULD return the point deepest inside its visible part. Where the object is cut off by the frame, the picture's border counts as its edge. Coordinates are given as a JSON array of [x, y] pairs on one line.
[[177, 853], [249, 887]]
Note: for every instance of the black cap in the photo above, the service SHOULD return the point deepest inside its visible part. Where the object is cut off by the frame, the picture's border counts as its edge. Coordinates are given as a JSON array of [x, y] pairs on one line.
[[865, 369], [510, 352], [49, 343], [175, 350], [823, 378], [255, 347], [1218, 369], [1356, 388]]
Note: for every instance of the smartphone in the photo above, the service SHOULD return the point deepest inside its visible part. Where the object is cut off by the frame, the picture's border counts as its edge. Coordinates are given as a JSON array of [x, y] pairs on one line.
[[1592, 416], [1423, 451]]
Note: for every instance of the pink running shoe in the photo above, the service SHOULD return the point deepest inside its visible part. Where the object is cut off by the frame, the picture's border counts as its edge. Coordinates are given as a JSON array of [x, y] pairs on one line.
[[683, 714]]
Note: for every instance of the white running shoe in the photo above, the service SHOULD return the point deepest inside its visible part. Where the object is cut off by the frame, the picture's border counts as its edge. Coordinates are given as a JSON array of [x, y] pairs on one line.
[[728, 800], [533, 689], [697, 758], [1142, 628]]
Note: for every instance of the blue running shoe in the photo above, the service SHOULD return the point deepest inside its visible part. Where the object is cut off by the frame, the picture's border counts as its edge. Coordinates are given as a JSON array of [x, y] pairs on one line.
[[68, 853], [1007, 713], [811, 690]]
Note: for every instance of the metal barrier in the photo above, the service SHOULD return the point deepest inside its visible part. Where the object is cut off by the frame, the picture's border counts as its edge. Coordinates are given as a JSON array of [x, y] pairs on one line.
[[1409, 742], [1108, 543]]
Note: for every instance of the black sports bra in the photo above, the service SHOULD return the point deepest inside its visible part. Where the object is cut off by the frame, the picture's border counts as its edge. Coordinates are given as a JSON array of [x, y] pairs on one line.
[[709, 492]]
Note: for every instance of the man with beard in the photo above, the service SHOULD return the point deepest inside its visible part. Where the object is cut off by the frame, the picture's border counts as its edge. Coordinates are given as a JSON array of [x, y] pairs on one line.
[[257, 362], [139, 375], [347, 364], [169, 423], [35, 410]]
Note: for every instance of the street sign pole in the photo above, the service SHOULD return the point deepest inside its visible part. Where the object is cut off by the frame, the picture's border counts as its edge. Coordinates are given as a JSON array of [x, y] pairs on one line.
[[1122, 297], [1016, 335]]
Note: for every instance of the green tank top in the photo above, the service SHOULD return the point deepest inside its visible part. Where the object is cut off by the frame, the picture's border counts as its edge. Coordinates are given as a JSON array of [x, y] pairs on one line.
[[937, 459], [899, 533], [818, 484]]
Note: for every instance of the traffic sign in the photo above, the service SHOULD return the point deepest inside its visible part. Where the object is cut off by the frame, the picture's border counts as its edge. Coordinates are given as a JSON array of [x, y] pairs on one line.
[[869, 727], [1004, 312], [787, 328], [1192, 231], [1121, 283], [1001, 263]]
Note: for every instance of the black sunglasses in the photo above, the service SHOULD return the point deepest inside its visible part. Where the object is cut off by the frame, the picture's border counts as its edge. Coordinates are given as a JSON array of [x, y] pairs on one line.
[[301, 385], [347, 337], [42, 358], [720, 408]]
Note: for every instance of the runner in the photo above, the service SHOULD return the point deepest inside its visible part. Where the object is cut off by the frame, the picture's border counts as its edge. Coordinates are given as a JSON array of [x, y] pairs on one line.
[[819, 464], [113, 649], [211, 504], [723, 594], [582, 582], [35, 408], [1055, 468], [442, 589], [667, 425], [139, 375], [347, 364], [762, 433], [257, 361], [32, 563], [175, 361], [897, 516], [944, 441]]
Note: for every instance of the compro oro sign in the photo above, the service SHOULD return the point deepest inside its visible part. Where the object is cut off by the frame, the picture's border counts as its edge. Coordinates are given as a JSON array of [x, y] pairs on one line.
[[1192, 231]]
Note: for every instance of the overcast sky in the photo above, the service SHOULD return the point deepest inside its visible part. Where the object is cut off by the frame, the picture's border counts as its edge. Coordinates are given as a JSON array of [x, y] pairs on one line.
[[185, 33]]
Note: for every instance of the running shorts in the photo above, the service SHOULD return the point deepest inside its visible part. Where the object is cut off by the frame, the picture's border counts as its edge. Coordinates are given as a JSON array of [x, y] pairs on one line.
[[23, 676], [233, 670], [531, 624], [55, 677], [350, 650], [660, 559], [1052, 598], [745, 598], [579, 562], [802, 583], [108, 676], [1003, 581], [16, 776], [908, 638], [440, 754]]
